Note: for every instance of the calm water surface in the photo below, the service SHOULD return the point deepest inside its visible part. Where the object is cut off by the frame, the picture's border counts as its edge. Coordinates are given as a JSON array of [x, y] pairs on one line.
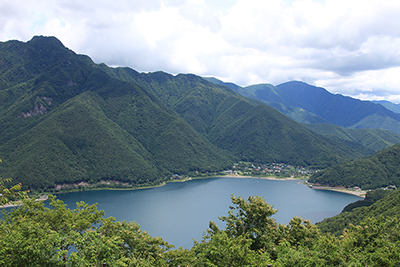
[[180, 212]]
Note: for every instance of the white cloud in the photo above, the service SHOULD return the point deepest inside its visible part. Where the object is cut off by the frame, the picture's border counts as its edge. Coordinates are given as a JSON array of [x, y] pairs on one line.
[[350, 47]]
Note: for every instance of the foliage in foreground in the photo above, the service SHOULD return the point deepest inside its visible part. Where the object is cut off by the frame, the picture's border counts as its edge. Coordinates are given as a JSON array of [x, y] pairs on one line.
[[388, 206], [7, 195], [34, 235]]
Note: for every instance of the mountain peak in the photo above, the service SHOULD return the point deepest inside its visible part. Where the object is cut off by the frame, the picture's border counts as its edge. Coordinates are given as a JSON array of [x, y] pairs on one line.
[[48, 47], [45, 41]]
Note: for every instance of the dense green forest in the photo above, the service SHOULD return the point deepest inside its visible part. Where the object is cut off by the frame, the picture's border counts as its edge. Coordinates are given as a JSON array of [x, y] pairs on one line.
[[245, 128], [372, 139], [384, 203], [378, 170], [288, 103], [34, 235], [310, 104], [65, 120]]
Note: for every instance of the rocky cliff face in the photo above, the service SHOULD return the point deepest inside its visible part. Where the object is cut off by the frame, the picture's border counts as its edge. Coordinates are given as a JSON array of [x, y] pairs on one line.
[[38, 109]]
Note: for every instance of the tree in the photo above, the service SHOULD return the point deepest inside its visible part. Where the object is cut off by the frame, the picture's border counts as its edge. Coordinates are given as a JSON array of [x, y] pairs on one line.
[[251, 218], [299, 232], [33, 235], [223, 250], [10, 194], [375, 242]]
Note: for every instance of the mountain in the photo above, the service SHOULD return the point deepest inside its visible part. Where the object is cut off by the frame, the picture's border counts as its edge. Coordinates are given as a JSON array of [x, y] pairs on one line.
[[233, 86], [389, 105], [369, 140], [341, 110], [63, 120], [375, 171], [310, 104], [246, 128]]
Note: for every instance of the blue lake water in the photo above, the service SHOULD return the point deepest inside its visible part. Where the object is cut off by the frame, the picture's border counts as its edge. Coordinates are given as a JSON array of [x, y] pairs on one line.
[[180, 212]]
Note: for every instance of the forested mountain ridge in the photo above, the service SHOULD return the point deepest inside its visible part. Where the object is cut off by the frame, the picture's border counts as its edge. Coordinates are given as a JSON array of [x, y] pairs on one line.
[[389, 105], [375, 171], [63, 120], [310, 104], [373, 139], [342, 110], [248, 129], [297, 95]]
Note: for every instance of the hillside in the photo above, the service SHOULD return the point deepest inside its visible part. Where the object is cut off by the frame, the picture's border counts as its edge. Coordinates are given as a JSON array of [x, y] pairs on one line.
[[389, 105], [62, 120], [309, 104], [65, 119], [246, 128], [385, 207], [341, 110], [375, 171], [373, 139]]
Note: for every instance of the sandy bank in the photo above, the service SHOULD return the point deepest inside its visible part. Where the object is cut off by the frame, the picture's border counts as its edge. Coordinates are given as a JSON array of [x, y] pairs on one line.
[[19, 203], [351, 191], [359, 193], [258, 177]]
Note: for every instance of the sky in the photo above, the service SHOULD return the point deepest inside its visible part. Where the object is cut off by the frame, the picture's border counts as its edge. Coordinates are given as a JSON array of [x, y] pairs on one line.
[[350, 47]]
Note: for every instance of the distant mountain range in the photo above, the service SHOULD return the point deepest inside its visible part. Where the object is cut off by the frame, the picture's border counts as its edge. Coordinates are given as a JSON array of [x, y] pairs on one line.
[[309, 104], [389, 105], [65, 119]]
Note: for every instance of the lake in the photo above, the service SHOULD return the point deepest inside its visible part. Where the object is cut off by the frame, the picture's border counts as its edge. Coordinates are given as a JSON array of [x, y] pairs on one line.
[[180, 212]]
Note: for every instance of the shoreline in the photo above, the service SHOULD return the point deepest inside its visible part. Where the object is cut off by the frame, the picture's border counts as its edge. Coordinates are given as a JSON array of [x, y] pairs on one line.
[[261, 177], [19, 202], [107, 188], [153, 186], [359, 193]]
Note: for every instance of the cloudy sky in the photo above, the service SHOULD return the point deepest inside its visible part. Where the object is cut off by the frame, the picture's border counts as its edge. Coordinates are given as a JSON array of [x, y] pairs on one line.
[[351, 47]]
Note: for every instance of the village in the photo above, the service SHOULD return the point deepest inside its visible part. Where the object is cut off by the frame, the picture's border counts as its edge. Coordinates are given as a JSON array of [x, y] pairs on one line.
[[269, 170]]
